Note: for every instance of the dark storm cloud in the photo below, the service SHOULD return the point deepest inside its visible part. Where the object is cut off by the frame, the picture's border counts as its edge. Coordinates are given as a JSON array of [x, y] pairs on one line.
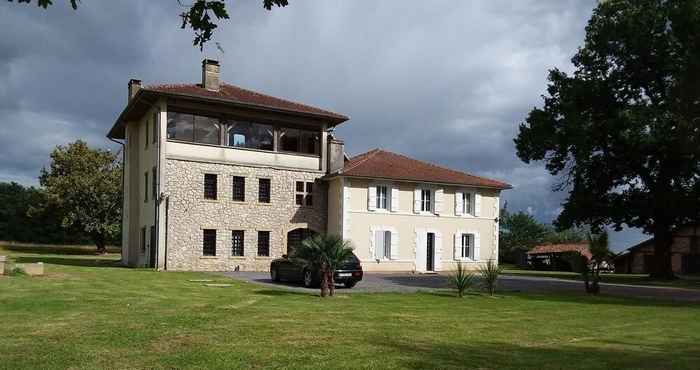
[[446, 82]]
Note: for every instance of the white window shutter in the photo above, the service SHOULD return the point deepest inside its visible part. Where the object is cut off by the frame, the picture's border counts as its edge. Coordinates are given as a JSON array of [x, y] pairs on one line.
[[438, 250], [394, 245], [477, 247], [394, 199], [438, 201], [458, 247], [371, 197], [416, 201], [477, 204], [371, 242], [459, 203], [420, 250]]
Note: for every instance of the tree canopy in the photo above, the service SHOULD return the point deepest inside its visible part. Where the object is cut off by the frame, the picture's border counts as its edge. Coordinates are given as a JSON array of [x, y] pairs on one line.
[[85, 185], [201, 16], [623, 130]]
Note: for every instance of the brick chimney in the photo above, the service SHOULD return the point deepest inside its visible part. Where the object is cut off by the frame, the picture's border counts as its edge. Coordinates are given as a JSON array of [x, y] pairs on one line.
[[134, 87], [210, 74]]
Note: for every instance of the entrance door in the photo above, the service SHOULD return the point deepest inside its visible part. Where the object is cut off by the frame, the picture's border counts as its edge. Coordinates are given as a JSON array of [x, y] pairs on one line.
[[430, 252]]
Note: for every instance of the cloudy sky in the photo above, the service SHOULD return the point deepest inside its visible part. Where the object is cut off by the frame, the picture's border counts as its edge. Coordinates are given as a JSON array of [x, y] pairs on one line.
[[443, 81]]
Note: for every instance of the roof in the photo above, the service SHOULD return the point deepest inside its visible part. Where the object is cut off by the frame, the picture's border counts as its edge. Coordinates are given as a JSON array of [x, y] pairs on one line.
[[562, 248], [227, 94], [379, 163]]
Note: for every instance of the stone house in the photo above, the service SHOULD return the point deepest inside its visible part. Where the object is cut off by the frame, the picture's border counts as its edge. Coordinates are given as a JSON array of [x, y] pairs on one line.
[[219, 178]]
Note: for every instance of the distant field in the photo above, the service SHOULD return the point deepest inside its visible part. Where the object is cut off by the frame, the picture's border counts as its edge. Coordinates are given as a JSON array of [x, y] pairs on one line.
[[89, 313]]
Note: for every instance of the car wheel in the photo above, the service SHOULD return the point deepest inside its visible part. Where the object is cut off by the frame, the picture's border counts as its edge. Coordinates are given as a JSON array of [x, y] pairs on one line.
[[350, 283], [274, 274], [308, 279]]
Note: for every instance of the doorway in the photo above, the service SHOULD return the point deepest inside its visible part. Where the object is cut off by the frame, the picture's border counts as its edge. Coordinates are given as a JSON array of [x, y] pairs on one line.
[[430, 252]]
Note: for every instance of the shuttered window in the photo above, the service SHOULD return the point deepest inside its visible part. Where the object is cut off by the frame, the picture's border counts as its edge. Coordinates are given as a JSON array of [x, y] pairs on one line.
[[210, 185], [382, 194], [264, 190], [382, 244], [209, 242], [426, 200], [467, 246], [238, 188], [237, 243], [263, 243], [466, 203]]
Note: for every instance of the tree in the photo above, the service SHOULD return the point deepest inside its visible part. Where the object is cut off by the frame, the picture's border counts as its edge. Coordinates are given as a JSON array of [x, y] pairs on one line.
[[519, 232], [623, 131], [198, 15], [567, 236], [325, 254], [86, 186], [590, 268]]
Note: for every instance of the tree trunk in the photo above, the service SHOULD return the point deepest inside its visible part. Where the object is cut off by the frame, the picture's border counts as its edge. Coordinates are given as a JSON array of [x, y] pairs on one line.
[[99, 240], [662, 268], [331, 283], [324, 283]]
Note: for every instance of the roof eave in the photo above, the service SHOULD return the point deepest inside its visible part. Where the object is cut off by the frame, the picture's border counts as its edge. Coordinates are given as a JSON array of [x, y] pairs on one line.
[[341, 174]]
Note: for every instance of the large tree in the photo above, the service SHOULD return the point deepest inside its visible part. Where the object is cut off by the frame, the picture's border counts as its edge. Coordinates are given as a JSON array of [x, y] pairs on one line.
[[518, 233], [623, 130], [199, 15], [85, 184]]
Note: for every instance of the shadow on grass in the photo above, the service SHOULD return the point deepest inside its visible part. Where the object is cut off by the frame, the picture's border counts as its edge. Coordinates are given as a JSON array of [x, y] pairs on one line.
[[285, 293], [492, 355], [418, 281], [65, 261], [55, 249]]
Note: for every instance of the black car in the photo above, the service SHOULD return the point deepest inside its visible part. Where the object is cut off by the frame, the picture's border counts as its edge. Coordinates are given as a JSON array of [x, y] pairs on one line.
[[289, 268]]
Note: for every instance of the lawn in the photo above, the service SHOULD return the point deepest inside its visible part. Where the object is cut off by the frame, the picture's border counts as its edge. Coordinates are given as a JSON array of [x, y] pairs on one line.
[[686, 281], [89, 313]]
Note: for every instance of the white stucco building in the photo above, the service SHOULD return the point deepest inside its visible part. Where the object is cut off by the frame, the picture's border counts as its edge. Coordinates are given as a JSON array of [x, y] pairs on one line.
[[221, 178]]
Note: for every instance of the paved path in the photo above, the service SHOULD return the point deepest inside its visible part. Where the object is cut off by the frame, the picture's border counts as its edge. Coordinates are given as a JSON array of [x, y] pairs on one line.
[[408, 282]]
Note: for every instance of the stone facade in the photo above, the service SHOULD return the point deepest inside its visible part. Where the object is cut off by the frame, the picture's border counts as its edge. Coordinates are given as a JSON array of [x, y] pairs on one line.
[[189, 213]]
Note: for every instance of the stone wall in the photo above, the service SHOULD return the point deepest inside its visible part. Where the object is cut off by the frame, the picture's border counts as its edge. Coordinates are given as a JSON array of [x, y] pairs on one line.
[[189, 213]]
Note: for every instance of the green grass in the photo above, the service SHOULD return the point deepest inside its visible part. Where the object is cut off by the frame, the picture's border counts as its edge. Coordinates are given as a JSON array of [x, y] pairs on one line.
[[88, 313], [686, 281]]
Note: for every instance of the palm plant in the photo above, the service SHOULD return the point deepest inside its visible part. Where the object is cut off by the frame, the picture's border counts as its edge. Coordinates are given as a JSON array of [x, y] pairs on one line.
[[490, 272], [590, 268], [325, 253], [462, 280]]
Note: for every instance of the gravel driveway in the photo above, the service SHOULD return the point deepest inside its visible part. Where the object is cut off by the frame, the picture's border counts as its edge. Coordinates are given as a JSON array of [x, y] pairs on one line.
[[409, 282]]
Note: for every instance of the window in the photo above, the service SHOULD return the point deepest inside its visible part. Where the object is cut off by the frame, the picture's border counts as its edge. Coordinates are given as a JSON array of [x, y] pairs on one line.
[[264, 190], [237, 243], [382, 202], [154, 184], [155, 127], [263, 243], [425, 200], [209, 242], [300, 141], [239, 188], [466, 203], [467, 246], [304, 193], [210, 186], [145, 187], [250, 135], [148, 123], [190, 127], [382, 244], [143, 239]]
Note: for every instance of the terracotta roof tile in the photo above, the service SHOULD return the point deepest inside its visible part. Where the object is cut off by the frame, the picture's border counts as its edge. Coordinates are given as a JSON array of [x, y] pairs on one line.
[[561, 248], [378, 163], [236, 94]]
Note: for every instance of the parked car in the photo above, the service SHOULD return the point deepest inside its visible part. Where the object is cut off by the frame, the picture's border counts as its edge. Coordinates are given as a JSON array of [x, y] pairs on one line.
[[292, 269]]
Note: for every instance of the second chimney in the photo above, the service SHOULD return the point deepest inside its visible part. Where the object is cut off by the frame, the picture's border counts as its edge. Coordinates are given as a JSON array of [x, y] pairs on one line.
[[210, 74]]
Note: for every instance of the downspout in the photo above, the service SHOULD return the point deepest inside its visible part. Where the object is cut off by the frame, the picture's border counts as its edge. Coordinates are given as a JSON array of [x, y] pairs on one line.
[[123, 200]]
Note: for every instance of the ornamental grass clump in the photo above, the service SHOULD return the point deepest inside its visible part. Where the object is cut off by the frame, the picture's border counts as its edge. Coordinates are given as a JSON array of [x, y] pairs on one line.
[[489, 273], [461, 280]]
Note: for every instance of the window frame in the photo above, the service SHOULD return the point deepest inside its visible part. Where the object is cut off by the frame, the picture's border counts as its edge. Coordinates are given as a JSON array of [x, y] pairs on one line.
[[306, 194], [470, 239], [234, 247], [387, 197], [268, 199], [235, 192], [212, 233], [386, 247], [429, 200], [467, 209], [206, 194], [268, 236]]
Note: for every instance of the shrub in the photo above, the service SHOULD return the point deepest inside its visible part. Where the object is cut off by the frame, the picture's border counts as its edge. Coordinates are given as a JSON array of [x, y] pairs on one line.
[[461, 280], [489, 276]]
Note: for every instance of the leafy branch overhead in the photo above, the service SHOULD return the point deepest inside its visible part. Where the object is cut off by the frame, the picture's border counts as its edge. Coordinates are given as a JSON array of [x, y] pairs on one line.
[[202, 15]]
